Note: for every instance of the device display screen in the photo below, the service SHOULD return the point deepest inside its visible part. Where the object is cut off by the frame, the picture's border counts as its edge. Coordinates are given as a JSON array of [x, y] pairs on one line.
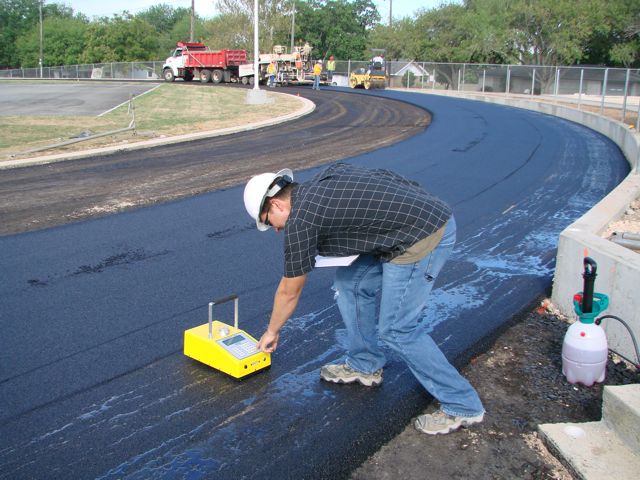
[[232, 340]]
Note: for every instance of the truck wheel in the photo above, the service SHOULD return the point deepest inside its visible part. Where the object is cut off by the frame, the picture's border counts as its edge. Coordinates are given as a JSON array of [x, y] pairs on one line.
[[168, 75], [217, 76], [205, 76], [188, 77], [251, 81], [244, 80]]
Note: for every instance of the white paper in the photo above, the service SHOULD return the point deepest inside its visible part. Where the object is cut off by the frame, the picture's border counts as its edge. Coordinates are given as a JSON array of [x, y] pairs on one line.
[[335, 261]]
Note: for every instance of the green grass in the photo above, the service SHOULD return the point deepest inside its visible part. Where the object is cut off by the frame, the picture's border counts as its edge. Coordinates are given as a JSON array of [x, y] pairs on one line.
[[170, 109]]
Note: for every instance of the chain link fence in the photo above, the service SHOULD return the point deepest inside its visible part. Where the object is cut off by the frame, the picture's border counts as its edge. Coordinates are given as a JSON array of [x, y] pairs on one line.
[[91, 71], [600, 86]]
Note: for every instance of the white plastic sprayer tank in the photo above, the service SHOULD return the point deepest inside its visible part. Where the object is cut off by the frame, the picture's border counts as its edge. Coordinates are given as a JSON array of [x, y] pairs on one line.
[[584, 354], [585, 350]]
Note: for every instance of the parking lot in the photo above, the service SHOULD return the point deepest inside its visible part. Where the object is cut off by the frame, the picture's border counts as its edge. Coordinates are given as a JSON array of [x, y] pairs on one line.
[[65, 98]]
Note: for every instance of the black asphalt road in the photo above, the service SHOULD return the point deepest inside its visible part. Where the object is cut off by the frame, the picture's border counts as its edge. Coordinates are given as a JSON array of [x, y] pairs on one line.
[[93, 383], [341, 126]]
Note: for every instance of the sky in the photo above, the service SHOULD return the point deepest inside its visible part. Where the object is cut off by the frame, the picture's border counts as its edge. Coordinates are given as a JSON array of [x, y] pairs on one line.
[[206, 8]]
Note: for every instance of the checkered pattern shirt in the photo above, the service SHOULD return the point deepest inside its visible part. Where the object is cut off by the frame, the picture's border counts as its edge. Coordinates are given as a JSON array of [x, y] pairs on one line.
[[347, 210]]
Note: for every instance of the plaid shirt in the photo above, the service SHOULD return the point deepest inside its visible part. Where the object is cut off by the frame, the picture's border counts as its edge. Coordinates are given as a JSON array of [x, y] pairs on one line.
[[347, 210]]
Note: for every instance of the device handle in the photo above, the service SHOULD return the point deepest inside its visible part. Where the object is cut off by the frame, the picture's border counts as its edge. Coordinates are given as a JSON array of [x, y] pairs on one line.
[[218, 302], [589, 275]]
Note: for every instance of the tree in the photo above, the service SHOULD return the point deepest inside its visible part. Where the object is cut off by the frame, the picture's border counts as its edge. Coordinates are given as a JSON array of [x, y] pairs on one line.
[[274, 20], [337, 27], [163, 17], [408, 79], [63, 45], [615, 40], [395, 39], [172, 25], [229, 30], [552, 32], [490, 31], [17, 17], [120, 38]]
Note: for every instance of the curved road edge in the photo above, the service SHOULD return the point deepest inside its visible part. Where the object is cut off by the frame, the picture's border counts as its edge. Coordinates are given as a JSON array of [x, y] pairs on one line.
[[618, 267], [307, 107]]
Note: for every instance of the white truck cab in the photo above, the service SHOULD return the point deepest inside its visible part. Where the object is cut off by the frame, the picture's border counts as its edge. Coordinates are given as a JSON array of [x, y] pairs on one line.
[[172, 64]]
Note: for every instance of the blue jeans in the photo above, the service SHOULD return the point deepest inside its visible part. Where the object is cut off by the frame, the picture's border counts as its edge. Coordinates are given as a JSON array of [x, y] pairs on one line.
[[316, 82], [403, 292]]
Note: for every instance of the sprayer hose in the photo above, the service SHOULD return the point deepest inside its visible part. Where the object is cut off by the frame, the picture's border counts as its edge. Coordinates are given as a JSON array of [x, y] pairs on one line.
[[633, 338]]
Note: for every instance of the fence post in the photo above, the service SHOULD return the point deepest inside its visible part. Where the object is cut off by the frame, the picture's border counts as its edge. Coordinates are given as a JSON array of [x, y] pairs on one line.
[[484, 78], [624, 101], [459, 72], [533, 82], [464, 67], [557, 83], [580, 91], [604, 90], [349, 68], [508, 86]]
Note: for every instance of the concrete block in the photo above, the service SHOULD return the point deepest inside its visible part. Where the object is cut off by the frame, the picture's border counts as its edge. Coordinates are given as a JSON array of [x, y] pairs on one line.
[[621, 413], [591, 451]]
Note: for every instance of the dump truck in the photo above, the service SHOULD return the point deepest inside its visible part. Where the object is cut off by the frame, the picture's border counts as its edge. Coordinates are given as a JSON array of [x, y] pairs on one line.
[[196, 60]]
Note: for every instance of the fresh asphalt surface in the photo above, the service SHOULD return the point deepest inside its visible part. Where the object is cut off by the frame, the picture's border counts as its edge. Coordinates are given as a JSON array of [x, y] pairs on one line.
[[93, 383]]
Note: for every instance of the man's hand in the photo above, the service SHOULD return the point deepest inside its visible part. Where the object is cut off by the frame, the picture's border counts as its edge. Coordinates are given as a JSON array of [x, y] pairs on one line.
[[268, 342], [284, 304]]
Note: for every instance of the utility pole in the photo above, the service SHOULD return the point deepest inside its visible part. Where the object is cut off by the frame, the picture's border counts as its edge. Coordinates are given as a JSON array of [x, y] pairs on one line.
[[293, 25], [256, 48], [193, 16], [40, 59], [390, 12]]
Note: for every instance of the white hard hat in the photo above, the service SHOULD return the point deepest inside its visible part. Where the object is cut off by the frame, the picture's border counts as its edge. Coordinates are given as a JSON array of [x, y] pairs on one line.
[[257, 190]]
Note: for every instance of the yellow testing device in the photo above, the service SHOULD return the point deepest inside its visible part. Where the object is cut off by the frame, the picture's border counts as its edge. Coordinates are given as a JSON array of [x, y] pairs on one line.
[[224, 347]]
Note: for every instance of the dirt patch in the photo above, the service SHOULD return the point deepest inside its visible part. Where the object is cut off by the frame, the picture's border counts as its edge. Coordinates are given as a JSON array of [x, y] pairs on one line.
[[521, 384]]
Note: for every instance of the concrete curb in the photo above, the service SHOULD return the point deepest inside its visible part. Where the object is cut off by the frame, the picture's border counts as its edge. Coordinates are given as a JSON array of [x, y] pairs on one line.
[[307, 107]]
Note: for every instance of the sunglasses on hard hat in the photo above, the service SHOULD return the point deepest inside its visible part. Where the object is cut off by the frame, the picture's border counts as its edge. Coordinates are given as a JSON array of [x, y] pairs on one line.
[[278, 184]]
